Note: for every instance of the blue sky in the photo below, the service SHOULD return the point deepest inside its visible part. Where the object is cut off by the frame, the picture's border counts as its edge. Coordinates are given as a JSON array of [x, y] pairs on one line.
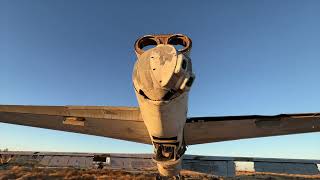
[[250, 57]]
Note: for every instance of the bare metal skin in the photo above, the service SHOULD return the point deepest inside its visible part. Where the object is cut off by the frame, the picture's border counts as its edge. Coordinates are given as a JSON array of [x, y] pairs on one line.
[[162, 78]]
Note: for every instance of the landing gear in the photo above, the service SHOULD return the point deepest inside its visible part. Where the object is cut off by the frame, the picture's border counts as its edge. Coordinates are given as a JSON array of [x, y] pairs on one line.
[[158, 177], [177, 177]]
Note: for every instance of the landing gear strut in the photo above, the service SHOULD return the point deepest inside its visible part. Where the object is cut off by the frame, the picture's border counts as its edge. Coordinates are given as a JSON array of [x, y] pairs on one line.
[[177, 177]]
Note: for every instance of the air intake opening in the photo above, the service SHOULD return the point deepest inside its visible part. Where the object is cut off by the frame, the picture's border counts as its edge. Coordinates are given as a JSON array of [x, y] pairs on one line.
[[180, 42], [145, 43]]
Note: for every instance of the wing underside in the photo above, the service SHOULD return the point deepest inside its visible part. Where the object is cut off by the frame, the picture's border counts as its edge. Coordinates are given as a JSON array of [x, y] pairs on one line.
[[115, 122], [200, 130], [125, 123]]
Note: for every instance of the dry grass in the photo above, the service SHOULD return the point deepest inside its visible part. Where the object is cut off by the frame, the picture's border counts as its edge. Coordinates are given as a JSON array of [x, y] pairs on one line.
[[273, 176], [26, 173]]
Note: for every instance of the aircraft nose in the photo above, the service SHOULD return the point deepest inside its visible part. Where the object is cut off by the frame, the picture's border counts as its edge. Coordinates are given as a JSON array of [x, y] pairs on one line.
[[162, 72]]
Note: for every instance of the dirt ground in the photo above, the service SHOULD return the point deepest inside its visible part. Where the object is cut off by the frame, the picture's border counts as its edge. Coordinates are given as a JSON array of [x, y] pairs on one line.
[[26, 173]]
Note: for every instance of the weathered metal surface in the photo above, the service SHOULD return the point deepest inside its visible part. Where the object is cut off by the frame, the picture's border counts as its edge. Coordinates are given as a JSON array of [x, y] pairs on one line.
[[249, 159], [32, 153], [81, 162], [59, 161], [162, 77], [288, 168], [76, 121], [115, 122], [106, 112], [131, 163], [67, 161], [45, 161], [220, 168], [213, 129]]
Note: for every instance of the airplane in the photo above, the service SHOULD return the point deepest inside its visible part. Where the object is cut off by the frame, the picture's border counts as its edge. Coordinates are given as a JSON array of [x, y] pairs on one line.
[[162, 78]]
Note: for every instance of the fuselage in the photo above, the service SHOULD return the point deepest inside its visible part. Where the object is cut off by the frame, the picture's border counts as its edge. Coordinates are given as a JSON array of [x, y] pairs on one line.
[[162, 78]]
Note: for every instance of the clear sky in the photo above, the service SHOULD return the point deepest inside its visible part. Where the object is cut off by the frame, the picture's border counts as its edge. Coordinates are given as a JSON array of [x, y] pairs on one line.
[[250, 57]]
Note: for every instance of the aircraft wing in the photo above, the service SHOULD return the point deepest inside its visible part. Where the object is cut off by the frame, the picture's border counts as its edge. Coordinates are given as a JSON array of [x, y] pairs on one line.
[[200, 130], [115, 122]]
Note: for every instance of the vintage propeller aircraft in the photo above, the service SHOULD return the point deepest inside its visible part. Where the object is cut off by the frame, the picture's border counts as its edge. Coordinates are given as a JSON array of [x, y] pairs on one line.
[[162, 77]]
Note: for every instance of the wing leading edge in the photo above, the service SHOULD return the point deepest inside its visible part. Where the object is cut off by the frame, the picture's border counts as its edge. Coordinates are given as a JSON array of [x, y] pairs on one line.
[[115, 122], [200, 130]]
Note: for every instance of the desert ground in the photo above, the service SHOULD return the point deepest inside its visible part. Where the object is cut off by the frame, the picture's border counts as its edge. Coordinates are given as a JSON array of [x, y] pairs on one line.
[[28, 168], [28, 173]]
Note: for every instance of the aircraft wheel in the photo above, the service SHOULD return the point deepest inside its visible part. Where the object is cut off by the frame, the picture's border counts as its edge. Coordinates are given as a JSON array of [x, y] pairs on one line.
[[177, 177], [159, 177]]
